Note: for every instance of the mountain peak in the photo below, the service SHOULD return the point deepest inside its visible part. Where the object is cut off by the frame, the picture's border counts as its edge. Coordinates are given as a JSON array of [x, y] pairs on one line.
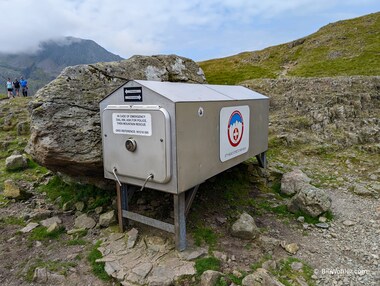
[[51, 58], [70, 51], [62, 41]]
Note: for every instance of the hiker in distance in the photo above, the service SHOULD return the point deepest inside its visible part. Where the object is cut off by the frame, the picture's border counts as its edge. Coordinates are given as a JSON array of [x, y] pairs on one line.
[[16, 87], [10, 88], [24, 86]]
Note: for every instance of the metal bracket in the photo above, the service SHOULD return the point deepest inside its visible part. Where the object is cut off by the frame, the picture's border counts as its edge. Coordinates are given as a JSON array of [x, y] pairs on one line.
[[182, 203], [151, 176], [114, 170], [190, 195]]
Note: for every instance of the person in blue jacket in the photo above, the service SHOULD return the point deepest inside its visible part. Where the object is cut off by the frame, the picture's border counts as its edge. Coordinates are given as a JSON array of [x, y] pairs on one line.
[[24, 86]]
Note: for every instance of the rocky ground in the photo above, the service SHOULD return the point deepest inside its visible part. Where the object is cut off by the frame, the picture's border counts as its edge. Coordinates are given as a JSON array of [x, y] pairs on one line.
[[30, 260], [345, 252], [348, 252], [341, 247]]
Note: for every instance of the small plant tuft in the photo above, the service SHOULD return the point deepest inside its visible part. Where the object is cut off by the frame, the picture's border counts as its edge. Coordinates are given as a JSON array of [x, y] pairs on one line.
[[76, 241], [11, 220], [206, 235], [3, 201], [285, 272], [41, 234], [95, 197], [208, 263], [97, 267], [60, 267]]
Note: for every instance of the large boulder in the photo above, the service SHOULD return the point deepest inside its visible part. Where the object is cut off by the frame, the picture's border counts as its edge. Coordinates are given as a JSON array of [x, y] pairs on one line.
[[84, 221], [15, 162], [245, 227], [293, 182], [311, 201], [107, 218], [210, 277], [260, 277], [65, 120], [15, 190]]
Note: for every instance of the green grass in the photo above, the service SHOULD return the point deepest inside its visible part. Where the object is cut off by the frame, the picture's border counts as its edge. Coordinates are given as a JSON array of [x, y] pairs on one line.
[[284, 272], [76, 241], [208, 263], [263, 207], [41, 234], [11, 220], [228, 278], [308, 219], [234, 279], [276, 187], [34, 166], [60, 267], [260, 262], [3, 201], [97, 267], [12, 142], [217, 73], [205, 235], [325, 151], [226, 194], [233, 186], [80, 233], [237, 192], [93, 196], [344, 48]]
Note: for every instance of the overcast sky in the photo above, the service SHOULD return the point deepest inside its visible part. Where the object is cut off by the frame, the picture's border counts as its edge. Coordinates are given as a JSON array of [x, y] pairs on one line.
[[197, 29]]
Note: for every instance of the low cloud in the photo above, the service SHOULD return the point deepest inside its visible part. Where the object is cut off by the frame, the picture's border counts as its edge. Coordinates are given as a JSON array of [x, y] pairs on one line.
[[150, 26]]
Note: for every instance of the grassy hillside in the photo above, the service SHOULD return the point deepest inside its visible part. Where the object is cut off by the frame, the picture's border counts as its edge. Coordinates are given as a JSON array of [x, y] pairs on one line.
[[344, 48]]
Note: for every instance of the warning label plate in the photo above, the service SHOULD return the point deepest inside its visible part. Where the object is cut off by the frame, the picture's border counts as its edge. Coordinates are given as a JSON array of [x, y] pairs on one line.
[[132, 123]]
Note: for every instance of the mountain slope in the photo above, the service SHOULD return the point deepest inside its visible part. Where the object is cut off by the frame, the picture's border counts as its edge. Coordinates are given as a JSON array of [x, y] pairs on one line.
[[344, 48], [52, 57]]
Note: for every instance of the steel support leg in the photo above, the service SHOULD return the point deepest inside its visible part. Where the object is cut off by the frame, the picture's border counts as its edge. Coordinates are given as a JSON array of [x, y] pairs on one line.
[[262, 159], [125, 193], [122, 203], [124, 196], [182, 205], [180, 221]]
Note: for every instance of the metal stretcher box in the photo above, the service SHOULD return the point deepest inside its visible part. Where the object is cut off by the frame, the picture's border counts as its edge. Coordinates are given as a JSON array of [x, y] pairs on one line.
[[173, 136], [180, 133]]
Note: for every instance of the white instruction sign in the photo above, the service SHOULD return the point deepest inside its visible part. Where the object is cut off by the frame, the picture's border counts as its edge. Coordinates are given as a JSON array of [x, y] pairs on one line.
[[132, 123], [234, 131]]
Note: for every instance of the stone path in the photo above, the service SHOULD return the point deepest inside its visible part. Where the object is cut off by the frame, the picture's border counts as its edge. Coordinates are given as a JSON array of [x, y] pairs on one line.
[[350, 248], [347, 253], [153, 260]]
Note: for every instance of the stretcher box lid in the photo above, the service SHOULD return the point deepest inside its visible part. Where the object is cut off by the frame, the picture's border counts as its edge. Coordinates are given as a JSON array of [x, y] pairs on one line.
[[191, 92]]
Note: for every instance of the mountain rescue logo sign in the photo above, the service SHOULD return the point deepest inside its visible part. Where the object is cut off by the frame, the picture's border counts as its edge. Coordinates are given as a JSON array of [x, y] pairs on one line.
[[234, 131], [235, 128]]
